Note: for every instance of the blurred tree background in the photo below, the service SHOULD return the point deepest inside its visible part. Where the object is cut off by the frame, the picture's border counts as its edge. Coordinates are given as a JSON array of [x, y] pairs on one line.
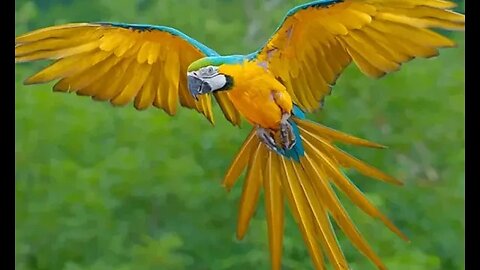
[[102, 188]]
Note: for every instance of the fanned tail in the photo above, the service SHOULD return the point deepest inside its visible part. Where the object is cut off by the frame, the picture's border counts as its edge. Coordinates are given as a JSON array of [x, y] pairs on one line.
[[307, 185]]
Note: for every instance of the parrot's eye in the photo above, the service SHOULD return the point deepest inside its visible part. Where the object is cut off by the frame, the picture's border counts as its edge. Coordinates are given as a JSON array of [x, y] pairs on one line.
[[208, 71]]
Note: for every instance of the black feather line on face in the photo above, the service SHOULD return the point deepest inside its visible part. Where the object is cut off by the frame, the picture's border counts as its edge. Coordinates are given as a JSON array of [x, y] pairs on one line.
[[228, 85]]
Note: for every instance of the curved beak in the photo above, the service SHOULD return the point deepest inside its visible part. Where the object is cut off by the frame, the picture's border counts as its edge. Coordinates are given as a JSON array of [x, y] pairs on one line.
[[197, 86]]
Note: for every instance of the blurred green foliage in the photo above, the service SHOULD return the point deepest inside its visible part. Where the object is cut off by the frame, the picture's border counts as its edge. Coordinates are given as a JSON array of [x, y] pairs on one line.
[[102, 188]]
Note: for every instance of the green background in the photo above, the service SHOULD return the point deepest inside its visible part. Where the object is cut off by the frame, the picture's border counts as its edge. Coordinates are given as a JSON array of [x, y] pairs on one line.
[[104, 188]]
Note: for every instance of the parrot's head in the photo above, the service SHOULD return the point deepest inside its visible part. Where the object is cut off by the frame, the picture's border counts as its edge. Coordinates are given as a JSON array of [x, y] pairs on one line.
[[204, 76]]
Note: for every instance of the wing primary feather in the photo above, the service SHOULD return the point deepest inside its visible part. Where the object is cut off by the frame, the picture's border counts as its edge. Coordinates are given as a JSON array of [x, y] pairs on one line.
[[61, 31], [360, 47], [414, 3], [409, 46], [56, 54], [387, 46], [61, 68], [421, 22], [50, 44], [364, 65], [426, 12], [423, 37]]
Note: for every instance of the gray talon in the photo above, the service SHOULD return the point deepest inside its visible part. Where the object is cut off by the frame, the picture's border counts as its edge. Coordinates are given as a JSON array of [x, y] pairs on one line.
[[287, 135], [265, 136]]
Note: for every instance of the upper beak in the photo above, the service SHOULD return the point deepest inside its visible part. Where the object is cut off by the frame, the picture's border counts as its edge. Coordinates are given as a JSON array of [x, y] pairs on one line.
[[197, 86]]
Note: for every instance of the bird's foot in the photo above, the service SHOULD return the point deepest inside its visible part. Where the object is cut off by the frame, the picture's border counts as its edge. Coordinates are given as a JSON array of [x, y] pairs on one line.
[[286, 132], [286, 136], [266, 136]]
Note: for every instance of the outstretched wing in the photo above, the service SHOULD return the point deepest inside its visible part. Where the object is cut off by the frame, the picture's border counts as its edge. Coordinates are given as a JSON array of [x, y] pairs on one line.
[[316, 41], [120, 63]]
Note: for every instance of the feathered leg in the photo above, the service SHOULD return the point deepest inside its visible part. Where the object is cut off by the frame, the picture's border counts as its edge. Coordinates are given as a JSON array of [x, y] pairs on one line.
[[286, 132], [287, 135]]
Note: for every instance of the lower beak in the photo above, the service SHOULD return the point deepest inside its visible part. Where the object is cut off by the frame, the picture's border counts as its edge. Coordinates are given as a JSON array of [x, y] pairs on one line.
[[197, 87], [194, 86]]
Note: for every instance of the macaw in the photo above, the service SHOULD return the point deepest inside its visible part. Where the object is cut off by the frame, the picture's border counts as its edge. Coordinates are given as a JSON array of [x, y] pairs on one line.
[[293, 159]]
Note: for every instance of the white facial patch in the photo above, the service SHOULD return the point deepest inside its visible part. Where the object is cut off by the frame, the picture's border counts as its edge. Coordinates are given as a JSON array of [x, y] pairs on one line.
[[216, 82]]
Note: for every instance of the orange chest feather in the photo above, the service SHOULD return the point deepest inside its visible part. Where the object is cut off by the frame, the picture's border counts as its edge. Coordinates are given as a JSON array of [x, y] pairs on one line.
[[253, 92]]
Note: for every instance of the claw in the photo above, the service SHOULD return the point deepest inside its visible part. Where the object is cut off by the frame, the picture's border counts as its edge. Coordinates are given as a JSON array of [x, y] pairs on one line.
[[287, 136], [286, 132], [266, 137]]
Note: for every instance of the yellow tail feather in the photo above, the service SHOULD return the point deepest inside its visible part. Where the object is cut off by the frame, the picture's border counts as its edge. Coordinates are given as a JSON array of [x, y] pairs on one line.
[[307, 185]]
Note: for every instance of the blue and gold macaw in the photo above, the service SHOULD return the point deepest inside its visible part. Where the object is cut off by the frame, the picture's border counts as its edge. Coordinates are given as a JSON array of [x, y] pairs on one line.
[[291, 158]]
